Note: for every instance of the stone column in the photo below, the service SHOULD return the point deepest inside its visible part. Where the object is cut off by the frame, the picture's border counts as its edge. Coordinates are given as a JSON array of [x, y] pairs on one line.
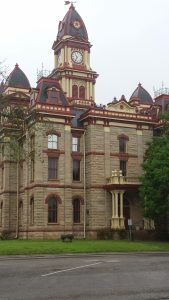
[[113, 210], [121, 210], [116, 204], [115, 224], [113, 205]]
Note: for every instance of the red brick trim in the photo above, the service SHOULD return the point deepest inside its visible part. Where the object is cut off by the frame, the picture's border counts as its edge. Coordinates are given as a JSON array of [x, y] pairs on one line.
[[123, 156], [77, 155], [77, 133], [123, 136], [111, 187], [53, 195], [53, 152], [95, 153], [78, 197], [53, 131]]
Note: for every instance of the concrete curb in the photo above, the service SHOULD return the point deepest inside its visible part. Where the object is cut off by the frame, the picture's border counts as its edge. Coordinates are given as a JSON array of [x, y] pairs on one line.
[[78, 255]]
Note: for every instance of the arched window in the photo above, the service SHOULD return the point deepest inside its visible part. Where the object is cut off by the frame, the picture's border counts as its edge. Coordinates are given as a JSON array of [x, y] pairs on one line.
[[75, 91], [52, 141], [32, 211], [1, 213], [52, 210], [20, 213], [76, 210], [122, 145], [82, 92]]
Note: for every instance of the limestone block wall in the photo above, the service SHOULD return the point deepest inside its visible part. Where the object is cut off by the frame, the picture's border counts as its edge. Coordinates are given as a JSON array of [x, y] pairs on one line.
[[102, 156]]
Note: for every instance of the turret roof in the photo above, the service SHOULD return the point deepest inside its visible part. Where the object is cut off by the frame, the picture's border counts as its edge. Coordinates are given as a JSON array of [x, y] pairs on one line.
[[72, 25], [141, 95], [17, 79]]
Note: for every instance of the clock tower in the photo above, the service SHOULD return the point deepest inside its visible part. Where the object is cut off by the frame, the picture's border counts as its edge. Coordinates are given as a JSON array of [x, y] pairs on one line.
[[72, 60]]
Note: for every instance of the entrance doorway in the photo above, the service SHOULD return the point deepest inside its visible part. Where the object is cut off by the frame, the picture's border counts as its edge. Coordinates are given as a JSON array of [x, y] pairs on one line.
[[126, 211]]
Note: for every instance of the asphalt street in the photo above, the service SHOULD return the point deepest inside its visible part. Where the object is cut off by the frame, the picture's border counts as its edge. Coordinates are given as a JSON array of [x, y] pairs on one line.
[[71, 277]]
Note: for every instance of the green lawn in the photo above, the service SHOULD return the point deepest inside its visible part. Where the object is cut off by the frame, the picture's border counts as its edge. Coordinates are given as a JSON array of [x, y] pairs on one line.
[[24, 247]]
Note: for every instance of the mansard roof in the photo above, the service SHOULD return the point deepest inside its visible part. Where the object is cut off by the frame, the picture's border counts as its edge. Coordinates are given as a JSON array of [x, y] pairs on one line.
[[51, 92], [17, 79], [141, 95], [72, 25]]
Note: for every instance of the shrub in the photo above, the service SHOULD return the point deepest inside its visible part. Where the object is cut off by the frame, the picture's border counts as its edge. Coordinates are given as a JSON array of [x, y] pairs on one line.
[[5, 235]]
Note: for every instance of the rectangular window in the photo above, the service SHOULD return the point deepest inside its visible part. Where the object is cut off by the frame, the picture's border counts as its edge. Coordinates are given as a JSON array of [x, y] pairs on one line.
[[52, 167], [122, 145], [32, 211], [75, 144], [76, 170], [76, 211], [52, 141], [1, 213], [32, 168], [2, 178], [21, 173], [123, 167], [32, 143], [52, 210]]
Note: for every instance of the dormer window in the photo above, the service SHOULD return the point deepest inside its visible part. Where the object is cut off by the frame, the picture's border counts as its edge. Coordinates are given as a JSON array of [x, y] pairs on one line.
[[53, 96], [52, 141]]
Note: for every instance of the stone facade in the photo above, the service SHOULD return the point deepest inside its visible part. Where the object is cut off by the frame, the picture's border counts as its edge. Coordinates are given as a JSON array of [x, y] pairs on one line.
[[80, 168]]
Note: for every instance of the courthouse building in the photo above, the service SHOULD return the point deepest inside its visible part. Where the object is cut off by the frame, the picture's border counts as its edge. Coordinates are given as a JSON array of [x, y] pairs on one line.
[[82, 176]]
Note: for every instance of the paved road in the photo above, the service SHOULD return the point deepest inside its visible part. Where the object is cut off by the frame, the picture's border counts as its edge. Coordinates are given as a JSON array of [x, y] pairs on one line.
[[104, 277]]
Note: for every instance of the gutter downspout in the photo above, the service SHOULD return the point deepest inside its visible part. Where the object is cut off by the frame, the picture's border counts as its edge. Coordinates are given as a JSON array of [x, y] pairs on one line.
[[84, 179], [17, 198]]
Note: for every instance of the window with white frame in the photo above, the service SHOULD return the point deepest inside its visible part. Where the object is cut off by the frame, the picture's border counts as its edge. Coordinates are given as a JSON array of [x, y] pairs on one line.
[[52, 141], [75, 144]]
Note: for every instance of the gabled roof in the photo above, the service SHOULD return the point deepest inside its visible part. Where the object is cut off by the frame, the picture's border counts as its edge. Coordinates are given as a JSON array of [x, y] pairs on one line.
[[121, 105], [17, 79], [141, 95], [72, 25]]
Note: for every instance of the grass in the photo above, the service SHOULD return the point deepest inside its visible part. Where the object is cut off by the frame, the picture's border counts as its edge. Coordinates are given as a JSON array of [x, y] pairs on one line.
[[31, 247]]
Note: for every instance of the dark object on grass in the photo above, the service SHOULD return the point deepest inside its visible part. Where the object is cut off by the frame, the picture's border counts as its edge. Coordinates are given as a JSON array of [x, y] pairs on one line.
[[67, 237]]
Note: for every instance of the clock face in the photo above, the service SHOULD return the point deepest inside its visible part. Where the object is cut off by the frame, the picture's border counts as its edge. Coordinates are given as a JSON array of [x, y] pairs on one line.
[[77, 57], [76, 24]]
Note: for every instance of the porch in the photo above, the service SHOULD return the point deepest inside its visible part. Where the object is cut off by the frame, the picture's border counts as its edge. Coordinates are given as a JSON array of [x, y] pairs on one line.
[[118, 185]]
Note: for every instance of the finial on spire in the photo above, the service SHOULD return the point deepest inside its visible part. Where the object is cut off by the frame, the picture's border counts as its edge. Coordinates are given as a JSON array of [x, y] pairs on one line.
[[70, 2]]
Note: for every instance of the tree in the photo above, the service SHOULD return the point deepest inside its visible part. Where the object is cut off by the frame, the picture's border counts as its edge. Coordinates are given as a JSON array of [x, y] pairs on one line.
[[2, 71], [18, 123], [154, 190], [15, 122]]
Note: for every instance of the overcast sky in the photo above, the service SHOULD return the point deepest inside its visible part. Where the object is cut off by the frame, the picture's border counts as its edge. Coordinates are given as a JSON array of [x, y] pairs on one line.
[[130, 41]]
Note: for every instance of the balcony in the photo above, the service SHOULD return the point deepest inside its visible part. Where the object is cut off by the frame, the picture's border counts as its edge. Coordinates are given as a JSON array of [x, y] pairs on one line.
[[118, 181]]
